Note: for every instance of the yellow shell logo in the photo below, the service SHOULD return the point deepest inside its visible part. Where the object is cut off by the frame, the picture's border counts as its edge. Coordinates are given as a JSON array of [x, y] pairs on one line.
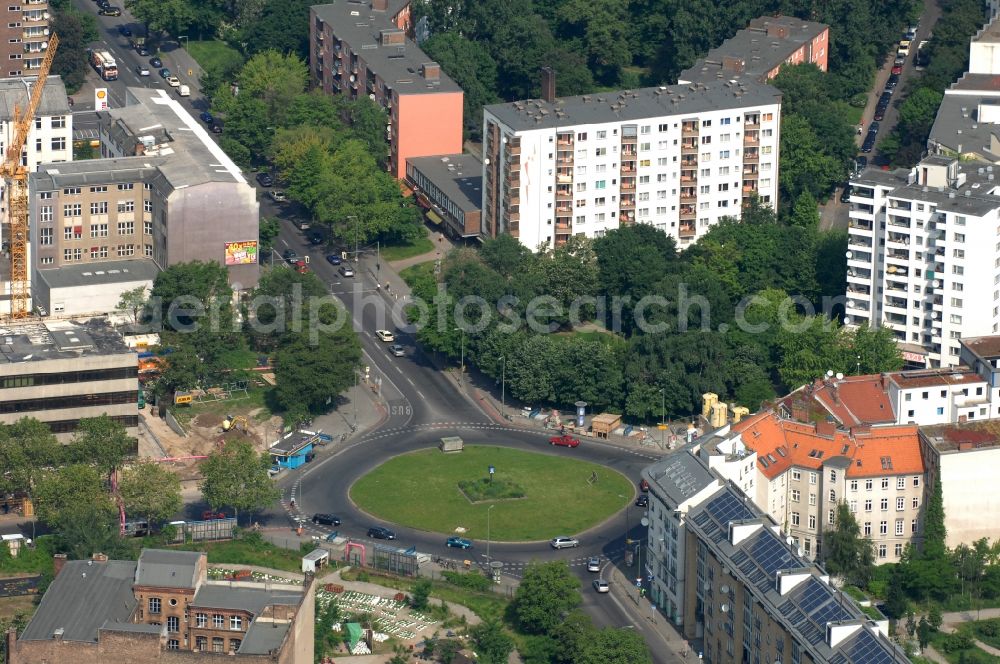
[[101, 94]]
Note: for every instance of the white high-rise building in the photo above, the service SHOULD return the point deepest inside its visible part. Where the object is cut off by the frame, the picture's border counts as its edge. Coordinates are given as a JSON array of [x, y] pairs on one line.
[[679, 157], [923, 256]]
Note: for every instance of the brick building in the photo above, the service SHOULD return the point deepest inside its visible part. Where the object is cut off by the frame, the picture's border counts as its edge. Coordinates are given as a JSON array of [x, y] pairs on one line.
[[361, 48], [163, 608], [24, 36]]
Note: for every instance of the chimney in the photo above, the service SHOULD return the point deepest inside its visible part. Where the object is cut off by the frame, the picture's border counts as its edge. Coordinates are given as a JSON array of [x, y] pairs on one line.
[[392, 36], [776, 31], [431, 71], [11, 641], [58, 562], [548, 84], [140, 149], [380, 5], [733, 64], [100, 557]]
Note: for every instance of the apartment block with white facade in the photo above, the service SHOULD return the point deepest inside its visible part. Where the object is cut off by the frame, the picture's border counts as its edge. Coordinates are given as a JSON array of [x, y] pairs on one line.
[[678, 157], [923, 256]]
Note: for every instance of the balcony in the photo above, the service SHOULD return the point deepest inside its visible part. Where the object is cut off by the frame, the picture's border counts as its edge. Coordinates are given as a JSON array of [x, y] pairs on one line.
[[563, 210], [625, 217], [628, 203], [564, 179], [564, 195], [687, 212], [628, 153], [860, 224], [561, 143], [511, 216], [751, 138], [687, 230], [751, 122], [514, 149], [563, 228], [688, 195], [858, 290], [749, 188], [689, 128], [627, 169], [751, 156], [689, 176], [565, 161]]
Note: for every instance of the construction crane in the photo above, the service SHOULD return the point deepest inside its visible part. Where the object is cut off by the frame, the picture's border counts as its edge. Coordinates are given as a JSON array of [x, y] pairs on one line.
[[15, 176]]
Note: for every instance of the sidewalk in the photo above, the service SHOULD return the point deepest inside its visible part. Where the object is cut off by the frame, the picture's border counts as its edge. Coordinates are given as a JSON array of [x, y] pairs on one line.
[[644, 613]]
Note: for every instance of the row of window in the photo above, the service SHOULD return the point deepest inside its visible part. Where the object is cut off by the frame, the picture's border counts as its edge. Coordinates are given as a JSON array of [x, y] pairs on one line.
[[883, 527], [46, 214], [67, 377], [97, 253], [884, 504], [75, 401], [664, 127], [853, 484], [98, 189], [69, 426]]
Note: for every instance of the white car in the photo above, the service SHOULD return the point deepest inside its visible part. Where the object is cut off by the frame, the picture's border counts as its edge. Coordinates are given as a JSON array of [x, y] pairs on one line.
[[142, 70], [601, 586], [385, 335], [594, 564], [564, 542], [173, 81], [397, 350]]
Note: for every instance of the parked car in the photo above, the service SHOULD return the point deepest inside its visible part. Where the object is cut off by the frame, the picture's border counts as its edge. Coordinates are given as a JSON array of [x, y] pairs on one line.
[[564, 441], [869, 143], [142, 70], [333, 259], [890, 84], [164, 73], [397, 350], [315, 238], [301, 267], [642, 501], [644, 486], [141, 50], [879, 113], [594, 564], [216, 129], [897, 69], [278, 196], [458, 543], [110, 11], [206, 117], [209, 515], [845, 195], [155, 63], [346, 271], [601, 586], [289, 255], [564, 542], [265, 180], [124, 30], [378, 532], [860, 164], [326, 519], [385, 335], [873, 128], [174, 82]]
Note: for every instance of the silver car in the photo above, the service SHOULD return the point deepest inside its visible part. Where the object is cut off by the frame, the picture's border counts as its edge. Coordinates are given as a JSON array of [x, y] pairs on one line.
[[594, 564], [601, 586], [142, 70], [564, 542]]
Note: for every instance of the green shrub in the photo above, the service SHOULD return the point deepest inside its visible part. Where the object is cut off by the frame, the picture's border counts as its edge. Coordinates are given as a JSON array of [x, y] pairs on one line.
[[470, 580], [957, 642], [989, 627]]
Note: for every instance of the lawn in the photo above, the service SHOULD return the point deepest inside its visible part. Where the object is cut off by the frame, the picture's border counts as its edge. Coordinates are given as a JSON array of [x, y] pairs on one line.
[[249, 551], [257, 398], [420, 490], [398, 252], [214, 55]]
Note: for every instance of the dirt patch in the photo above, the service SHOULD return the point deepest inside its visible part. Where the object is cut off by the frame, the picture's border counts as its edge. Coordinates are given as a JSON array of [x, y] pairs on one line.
[[208, 421], [11, 606]]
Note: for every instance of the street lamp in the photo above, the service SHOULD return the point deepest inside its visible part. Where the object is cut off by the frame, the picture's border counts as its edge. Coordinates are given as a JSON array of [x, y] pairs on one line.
[[459, 329], [663, 415], [503, 387], [488, 510]]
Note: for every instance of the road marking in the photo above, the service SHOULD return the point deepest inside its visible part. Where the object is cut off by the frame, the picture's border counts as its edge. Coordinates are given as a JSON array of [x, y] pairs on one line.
[[421, 394]]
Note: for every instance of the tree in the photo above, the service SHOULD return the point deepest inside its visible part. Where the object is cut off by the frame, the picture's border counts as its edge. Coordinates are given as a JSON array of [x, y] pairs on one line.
[[102, 441], [133, 301], [547, 590], [170, 16], [270, 228], [84, 529], [63, 489], [75, 29], [282, 26], [420, 594], [27, 448], [845, 552], [473, 68], [572, 635], [934, 546], [311, 372], [493, 645], [183, 284], [805, 164], [236, 476], [273, 78], [805, 212], [615, 646], [150, 490], [874, 349]]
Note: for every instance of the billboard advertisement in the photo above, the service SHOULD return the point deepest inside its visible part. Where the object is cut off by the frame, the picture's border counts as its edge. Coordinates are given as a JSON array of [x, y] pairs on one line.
[[241, 253], [101, 99]]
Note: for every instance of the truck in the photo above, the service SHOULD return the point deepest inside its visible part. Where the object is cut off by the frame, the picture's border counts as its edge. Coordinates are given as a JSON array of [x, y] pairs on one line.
[[183, 91], [105, 65]]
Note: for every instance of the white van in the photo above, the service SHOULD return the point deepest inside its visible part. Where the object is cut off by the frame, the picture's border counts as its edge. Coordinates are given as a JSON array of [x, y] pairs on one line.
[[184, 91]]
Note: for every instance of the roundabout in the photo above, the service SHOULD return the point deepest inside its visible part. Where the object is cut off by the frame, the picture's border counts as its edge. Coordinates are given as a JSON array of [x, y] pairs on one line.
[[531, 495]]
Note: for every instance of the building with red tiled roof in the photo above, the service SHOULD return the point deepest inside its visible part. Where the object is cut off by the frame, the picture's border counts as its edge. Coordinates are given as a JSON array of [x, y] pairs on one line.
[[802, 470]]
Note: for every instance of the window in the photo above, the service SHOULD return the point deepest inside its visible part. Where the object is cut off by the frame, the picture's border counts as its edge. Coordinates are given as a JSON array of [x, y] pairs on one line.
[[868, 528], [173, 644], [884, 504], [913, 526], [582, 136], [71, 191], [147, 206], [99, 190], [885, 482], [73, 210], [900, 504], [126, 227], [882, 550], [795, 518], [830, 517], [868, 505], [218, 644], [883, 528], [854, 506], [833, 496], [45, 195], [916, 503], [235, 622], [812, 521], [200, 620], [147, 228], [98, 252], [833, 475], [899, 526], [173, 624], [147, 251], [812, 478], [126, 206], [600, 152], [59, 143], [154, 605], [201, 643], [58, 122], [600, 184], [854, 485], [98, 230], [218, 621], [45, 237], [868, 485], [99, 207], [812, 498], [45, 214], [602, 134], [916, 480], [796, 475], [796, 495], [126, 250]]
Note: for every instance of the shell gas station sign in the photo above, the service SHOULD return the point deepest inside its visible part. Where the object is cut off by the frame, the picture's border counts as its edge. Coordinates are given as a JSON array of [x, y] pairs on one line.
[[101, 99]]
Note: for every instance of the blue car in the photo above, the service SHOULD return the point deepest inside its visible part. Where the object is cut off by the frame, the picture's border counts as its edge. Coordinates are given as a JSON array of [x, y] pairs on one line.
[[333, 259], [459, 543], [164, 73], [206, 117]]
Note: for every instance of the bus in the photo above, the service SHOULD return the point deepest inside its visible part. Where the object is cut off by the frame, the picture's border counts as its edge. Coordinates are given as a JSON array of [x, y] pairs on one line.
[[105, 65]]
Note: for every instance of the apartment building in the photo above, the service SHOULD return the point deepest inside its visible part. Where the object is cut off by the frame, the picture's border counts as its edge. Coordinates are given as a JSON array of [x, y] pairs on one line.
[[922, 256], [800, 472], [760, 50], [964, 457], [361, 48], [151, 196], [24, 36], [450, 189], [164, 607], [61, 372], [678, 157]]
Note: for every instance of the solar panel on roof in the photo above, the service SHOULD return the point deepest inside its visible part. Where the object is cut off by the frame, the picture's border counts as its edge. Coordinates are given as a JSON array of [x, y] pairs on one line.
[[728, 507], [770, 553], [865, 648], [830, 613], [813, 595]]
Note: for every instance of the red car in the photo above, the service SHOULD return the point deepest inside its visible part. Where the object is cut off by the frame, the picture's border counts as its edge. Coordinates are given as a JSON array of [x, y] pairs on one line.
[[644, 486], [897, 69], [301, 267], [209, 515], [564, 441]]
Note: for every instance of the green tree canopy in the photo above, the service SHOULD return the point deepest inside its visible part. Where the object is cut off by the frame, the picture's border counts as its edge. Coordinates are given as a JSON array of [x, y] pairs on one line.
[[845, 552], [103, 442], [151, 491], [62, 490], [236, 476], [547, 590]]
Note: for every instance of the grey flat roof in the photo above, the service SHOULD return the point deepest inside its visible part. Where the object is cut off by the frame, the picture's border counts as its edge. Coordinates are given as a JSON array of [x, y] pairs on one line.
[[14, 92], [679, 476], [110, 272], [50, 177], [193, 157], [167, 569], [957, 127], [458, 176], [134, 628], [398, 66], [53, 340], [252, 600], [263, 638], [633, 105], [758, 52], [85, 596], [974, 197]]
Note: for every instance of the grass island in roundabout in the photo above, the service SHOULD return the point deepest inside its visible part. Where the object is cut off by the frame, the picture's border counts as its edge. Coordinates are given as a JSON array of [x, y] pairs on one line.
[[535, 496]]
